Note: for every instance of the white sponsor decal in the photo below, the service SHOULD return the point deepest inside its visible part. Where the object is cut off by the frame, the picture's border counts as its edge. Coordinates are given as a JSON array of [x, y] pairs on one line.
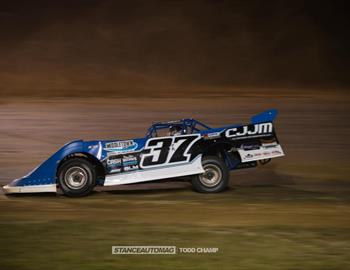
[[121, 146], [114, 161], [261, 153], [263, 128], [268, 145], [115, 170], [212, 135], [129, 158], [131, 168]]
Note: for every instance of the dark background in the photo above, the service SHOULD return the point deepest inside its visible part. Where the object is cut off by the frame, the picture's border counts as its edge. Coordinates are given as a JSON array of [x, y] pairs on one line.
[[77, 47]]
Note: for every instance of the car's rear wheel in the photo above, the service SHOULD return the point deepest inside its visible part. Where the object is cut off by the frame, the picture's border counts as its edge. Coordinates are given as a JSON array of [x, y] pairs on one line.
[[76, 177], [215, 177]]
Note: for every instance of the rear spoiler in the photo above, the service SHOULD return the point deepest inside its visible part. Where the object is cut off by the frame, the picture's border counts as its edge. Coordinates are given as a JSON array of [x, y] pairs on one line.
[[267, 116]]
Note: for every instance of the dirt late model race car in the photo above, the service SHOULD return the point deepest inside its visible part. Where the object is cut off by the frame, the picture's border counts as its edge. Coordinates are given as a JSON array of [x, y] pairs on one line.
[[169, 149]]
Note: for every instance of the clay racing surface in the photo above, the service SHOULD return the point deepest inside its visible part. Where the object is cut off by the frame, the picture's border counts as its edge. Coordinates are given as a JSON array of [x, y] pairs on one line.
[[292, 213], [313, 128]]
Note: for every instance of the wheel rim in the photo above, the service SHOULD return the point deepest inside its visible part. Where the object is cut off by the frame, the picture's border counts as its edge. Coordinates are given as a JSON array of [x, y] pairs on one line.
[[212, 175], [75, 177]]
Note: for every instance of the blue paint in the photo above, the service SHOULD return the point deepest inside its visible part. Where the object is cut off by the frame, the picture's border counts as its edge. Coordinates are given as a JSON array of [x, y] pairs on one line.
[[267, 116], [46, 172]]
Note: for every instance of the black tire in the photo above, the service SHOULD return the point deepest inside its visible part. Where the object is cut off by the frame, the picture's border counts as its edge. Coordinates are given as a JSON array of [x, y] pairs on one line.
[[76, 177], [216, 169]]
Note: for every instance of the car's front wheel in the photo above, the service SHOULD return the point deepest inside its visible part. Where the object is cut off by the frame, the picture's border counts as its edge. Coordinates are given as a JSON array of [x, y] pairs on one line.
[[215, 177], [76, 177]]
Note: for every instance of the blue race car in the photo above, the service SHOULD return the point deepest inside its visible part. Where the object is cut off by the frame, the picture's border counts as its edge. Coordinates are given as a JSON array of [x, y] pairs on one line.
[[169, 149]]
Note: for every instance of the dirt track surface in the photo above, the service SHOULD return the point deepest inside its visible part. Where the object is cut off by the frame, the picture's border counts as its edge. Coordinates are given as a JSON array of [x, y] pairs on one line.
[[313, 129], [290, 214]]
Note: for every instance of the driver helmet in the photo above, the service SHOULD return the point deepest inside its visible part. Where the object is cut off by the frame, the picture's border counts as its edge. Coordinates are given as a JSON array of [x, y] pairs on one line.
[[175, 130]]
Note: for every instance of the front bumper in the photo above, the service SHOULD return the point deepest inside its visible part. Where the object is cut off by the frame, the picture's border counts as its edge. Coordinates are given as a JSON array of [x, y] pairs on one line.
[[8, 189]]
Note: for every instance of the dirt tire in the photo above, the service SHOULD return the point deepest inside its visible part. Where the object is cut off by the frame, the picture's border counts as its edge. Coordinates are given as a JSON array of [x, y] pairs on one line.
[[214, 179], [76, 177]]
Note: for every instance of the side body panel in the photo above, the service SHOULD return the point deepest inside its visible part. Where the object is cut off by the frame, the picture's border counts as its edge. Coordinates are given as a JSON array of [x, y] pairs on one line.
[[161, 157]]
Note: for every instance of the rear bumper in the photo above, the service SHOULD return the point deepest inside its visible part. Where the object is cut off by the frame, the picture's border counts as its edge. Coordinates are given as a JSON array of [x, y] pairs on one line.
[[29, 189]]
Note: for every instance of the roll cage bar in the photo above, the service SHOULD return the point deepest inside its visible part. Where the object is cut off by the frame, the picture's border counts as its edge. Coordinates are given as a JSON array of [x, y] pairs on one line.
[[188, 126]]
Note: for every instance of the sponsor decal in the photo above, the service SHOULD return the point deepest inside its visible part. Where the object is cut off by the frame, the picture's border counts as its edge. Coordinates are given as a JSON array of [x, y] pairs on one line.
[[114, 161], [114, 164], [213, 135], [276, 152], [115, 170], [121, 146], [250, 146], [269, 145], [120, 163], [260, 154], [249, 131], [131, 168], [130, 162], [248, 156]]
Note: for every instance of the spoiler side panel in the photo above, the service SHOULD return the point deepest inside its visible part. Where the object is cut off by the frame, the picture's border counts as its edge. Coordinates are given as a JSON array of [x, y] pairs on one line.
[[266, 116]]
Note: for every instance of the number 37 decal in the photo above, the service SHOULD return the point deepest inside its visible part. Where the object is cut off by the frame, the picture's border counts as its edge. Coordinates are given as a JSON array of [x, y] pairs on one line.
[[168, 150]]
